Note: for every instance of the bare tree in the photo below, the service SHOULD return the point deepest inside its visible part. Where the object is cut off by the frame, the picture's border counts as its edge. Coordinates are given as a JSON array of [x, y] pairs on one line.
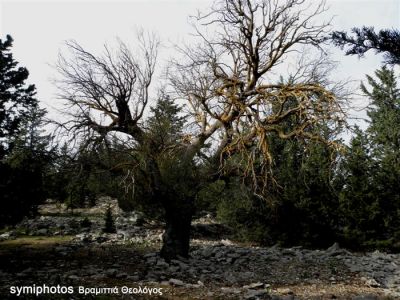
[[108, 92], [225, 79], [231, 96]]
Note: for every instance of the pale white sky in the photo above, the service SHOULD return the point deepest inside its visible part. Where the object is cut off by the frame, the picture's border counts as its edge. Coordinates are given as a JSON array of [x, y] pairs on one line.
[[40, 28]]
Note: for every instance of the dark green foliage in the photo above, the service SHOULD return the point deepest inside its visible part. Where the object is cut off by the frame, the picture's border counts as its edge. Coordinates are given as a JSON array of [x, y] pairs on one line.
[[16, 98], [164, 133], [384, 112], [384, 136], [25, 170], [21, 192], [24, 148], [79, 177], [209, 197], [166, 123], [248, 216], [301, 208], [386, 41], [358, 202], [81, 174], [69, 177], [58, 177], [306, 202], [86, 223], [370, 200], [109, 225]]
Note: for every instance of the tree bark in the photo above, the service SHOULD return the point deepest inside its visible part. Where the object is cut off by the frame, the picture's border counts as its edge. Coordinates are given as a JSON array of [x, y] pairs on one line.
[[176, 238]]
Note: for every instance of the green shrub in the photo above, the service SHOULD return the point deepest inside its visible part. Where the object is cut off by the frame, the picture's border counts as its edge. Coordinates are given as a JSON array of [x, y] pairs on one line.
[[109, 225], [86, 223]]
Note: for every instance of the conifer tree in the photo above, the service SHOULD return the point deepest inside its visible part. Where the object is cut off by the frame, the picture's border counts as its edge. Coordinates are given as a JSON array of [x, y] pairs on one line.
[[384, 133], [370, 199], [16, 97], [109, 225], [166, 122], [358, 204], [23, 154]]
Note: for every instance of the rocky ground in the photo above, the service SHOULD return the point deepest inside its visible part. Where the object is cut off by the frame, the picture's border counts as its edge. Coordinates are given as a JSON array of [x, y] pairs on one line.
[[60, 248]]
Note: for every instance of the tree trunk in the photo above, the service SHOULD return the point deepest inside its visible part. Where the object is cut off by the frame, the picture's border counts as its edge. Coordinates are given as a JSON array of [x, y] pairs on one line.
[[176, 238]]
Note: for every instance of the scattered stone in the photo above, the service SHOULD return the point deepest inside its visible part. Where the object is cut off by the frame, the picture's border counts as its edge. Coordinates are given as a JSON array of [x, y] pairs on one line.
[[284, 291], [226, 242], [334, 250], [121, 275], [151, 254], [289, 252], [371, 282], [328, 297], [288, 297], [98, 276], [230, 290], [7, 235], [215, 262], [257, 285], [255, 294], [365, 297], [176, 282], [43, 231], [111, 272]]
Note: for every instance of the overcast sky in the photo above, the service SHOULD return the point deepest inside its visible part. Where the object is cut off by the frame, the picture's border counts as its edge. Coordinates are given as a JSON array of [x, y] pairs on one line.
[[40, 29]]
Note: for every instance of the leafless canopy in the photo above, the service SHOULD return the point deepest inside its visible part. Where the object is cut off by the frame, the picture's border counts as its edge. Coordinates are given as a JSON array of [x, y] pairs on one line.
[[108, 92], [226, 78]]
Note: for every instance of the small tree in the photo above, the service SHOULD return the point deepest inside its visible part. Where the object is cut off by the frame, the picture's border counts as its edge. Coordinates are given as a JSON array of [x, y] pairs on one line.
[[166, 122], [358, 202], [164, 128], [109, 225]]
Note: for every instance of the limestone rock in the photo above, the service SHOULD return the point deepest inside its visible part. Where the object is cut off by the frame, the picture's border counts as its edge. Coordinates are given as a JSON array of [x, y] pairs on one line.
[[176, 282]]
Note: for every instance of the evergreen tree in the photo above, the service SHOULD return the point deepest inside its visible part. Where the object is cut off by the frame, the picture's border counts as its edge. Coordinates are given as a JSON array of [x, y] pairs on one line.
[[303, 203], [384, 112], [384, 133], [377, 222], [306, 201], [27, 167], [109, 225], [358, 202], [59, 174], [164, 129], [79, 176], [166, 122], [16, 97], [23, 146], [371, 195], [31, 140]]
